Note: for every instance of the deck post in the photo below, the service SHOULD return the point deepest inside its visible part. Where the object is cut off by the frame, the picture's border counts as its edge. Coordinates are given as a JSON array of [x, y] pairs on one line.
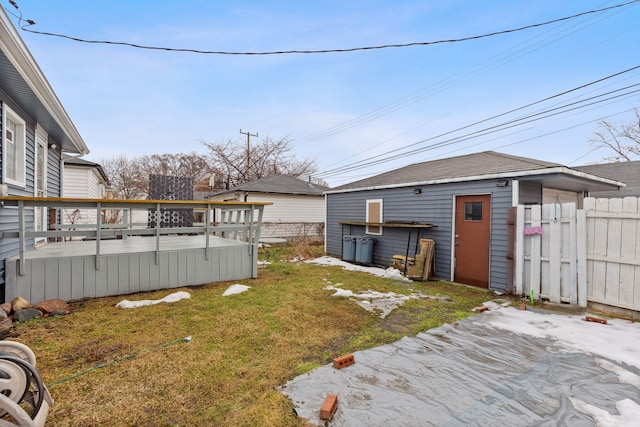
[[98, 227], [207, 227], [22, 241], [158, 219]]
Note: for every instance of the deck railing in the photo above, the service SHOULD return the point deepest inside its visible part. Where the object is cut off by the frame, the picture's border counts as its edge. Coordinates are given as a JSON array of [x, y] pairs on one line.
[[233, 220]]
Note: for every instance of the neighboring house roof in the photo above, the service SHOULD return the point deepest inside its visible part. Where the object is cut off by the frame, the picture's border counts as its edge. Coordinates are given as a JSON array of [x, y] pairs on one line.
[[23, 81], [627, 172], [484, 165], [82, 163], [277, 184]]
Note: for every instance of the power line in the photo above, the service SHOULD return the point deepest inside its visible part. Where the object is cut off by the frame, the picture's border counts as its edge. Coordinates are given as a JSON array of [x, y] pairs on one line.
[[484, 132], [383, 156], [505, 57], [30, 22]]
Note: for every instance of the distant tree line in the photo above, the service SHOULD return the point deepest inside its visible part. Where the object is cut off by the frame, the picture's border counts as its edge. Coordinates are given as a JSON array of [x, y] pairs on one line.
[[226, 161]]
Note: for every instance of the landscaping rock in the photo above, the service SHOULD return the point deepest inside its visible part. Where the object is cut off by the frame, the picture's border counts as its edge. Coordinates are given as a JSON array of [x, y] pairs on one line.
[[19, 303], [26, 314], [51, 305], [6, 307], [59, 313], [3, 315]]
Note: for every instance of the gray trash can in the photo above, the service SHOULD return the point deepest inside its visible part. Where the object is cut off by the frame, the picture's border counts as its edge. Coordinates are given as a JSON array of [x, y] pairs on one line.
[[349, 248], [364, 249]]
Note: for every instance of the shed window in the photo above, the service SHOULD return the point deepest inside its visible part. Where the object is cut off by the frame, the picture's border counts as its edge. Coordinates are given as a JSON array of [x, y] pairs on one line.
[[374, 214], [14, 144], [473, 211]]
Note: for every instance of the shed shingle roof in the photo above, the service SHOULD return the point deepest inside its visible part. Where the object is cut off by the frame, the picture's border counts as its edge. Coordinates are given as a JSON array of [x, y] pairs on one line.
[[470, 165], [278, 184], [627, 172]]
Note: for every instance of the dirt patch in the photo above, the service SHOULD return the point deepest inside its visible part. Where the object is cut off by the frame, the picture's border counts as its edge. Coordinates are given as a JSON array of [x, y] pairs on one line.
[[95, 351]]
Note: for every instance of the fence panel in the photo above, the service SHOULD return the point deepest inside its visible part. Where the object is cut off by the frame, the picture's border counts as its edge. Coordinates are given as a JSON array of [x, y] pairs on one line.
[[576, 256], [549, 252], [613, 251]]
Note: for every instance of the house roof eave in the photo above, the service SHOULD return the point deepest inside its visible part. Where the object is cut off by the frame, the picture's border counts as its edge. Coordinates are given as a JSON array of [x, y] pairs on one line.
[[35, 86]]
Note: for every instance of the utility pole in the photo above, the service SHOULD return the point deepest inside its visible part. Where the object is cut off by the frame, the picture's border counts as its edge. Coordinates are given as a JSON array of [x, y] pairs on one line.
[[249, 135]]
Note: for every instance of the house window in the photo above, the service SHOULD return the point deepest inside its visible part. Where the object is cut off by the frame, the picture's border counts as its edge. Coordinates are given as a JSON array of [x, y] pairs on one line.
[[14, 144], [374, 214], [473, 211]]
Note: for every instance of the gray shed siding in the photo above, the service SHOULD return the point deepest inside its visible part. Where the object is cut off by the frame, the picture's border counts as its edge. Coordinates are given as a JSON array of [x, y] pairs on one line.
[[434, 206]]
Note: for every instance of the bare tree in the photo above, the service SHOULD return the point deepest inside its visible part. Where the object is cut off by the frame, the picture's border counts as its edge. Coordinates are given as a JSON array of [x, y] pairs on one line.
[[129, 177], [125, 177], [267, 157], [192, 165], [621, 138]]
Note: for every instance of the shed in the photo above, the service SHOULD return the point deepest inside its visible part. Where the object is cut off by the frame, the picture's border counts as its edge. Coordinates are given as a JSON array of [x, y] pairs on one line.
[[467, 198], [297, 206]]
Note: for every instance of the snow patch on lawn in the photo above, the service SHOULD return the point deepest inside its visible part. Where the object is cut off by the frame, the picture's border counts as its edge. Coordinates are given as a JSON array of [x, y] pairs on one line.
[[176, 296]]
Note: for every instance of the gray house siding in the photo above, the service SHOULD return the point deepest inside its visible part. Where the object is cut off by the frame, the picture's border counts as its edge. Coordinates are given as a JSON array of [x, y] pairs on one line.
[[9, 215], [434, 205]]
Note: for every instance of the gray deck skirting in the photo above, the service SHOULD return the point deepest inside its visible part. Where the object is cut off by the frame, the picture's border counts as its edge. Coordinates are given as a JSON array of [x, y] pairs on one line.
[[125, 258]]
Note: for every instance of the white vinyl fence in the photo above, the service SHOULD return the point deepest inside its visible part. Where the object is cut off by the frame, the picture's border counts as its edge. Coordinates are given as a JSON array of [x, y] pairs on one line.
[[574, 256]]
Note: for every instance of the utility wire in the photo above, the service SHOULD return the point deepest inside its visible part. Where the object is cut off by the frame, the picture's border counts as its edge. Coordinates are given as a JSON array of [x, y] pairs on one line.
[[488, 131], [382, 155], [29, 22]]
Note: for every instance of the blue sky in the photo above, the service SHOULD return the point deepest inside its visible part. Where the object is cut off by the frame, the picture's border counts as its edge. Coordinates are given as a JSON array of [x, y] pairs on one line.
[[338, 108]]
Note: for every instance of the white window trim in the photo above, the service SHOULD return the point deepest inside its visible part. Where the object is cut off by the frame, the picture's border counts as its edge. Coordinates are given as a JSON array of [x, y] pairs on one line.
[[369, 203], [20, 139], [40, 213]]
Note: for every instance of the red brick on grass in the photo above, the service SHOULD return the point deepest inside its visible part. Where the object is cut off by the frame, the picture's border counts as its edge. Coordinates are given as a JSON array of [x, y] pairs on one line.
[[329, 407], [343, 361], [595, 319]]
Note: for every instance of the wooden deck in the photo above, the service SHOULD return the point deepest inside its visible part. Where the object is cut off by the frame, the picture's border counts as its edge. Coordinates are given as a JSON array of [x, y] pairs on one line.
[[128, 246], [122, 260]]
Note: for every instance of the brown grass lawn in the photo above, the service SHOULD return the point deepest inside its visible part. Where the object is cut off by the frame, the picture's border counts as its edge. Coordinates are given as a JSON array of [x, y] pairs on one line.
[[136, 371]]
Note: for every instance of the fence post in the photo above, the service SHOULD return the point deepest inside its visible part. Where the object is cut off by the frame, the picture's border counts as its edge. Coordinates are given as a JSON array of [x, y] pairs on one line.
[[581, 243], [519, 250], [535, 243]]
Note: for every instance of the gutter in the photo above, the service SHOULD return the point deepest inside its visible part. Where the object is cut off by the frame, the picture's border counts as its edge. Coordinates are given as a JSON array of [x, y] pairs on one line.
[[518, 174]]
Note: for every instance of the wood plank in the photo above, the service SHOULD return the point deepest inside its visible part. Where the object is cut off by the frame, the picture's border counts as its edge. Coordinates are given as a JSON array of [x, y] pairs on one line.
[[192, 259], [599, 248], [572, 253], [134, 273], [110, 264], [628, 251], [144, 262], [51, 280], [581, 255], [173, 269], [89, 283], [535, 242], [613, 240], [64, 279], [555, 237], [36, 270], [77, 278], [181, 263], [124, 285]]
